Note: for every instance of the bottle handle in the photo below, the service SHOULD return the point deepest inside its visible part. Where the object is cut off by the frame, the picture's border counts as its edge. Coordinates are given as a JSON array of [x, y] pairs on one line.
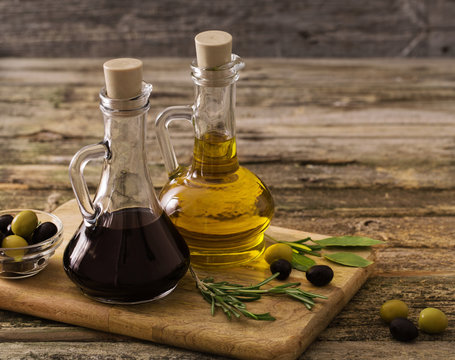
[[76, 172], [162, 122]]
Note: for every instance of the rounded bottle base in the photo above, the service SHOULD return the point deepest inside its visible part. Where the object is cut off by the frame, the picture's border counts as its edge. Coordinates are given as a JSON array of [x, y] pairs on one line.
[[128, 302], [222, 258]]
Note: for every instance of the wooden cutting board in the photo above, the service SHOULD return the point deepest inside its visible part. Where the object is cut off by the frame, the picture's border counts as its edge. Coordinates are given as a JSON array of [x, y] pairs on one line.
[[183, 318]]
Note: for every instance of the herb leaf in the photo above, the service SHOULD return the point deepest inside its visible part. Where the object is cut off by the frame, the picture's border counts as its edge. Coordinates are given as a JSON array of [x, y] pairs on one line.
[[348, 241], [301, 262], [301, 241], [348, 259], [299, 246]]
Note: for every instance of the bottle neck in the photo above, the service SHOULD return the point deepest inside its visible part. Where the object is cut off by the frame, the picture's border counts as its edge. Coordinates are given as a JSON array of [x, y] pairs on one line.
[[125, 181], [125, 139], [215, 151], [214, 111], [124, 130]]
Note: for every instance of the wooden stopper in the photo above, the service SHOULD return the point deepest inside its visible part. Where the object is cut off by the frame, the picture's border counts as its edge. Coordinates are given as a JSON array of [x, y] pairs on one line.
[[213, 48], [123, 78]]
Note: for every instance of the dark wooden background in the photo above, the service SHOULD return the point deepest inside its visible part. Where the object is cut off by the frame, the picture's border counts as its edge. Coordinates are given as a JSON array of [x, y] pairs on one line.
[[261, 28]]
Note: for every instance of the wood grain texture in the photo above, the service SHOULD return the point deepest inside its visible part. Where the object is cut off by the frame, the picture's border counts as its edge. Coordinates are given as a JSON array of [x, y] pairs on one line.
[[183, 318], [287, 28], [357, 147]]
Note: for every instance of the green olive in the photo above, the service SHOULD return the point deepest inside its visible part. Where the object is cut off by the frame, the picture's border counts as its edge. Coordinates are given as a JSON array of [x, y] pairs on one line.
[[24, 223], [277, 252], [393, 309], [14, 241], [432, 321]]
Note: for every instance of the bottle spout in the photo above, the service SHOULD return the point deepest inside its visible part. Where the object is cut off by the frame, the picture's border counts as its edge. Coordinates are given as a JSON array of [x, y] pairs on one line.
[[146, 89]]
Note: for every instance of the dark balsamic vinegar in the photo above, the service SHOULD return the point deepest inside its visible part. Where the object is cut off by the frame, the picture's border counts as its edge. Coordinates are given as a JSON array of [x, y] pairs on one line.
[[128, 256]]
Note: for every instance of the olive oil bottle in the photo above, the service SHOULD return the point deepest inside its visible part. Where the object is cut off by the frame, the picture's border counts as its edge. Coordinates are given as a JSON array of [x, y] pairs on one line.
[[219, 207]]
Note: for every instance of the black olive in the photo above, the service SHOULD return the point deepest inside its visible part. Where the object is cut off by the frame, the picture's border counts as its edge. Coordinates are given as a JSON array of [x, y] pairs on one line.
[[319, 275], [5, 220], [9, 231], [282, 266], [403, 330], [43, 232]]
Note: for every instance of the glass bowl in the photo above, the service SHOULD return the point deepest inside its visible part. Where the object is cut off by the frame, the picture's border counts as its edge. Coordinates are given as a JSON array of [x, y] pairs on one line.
[[35, 257]]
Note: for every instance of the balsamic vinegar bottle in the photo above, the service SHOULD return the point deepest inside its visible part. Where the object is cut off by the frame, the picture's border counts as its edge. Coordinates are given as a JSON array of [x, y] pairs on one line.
[[126, 250]]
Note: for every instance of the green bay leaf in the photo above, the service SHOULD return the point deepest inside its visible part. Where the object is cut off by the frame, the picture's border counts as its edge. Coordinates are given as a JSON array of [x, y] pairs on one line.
[[348, 241], [348, 259], [301, 262]]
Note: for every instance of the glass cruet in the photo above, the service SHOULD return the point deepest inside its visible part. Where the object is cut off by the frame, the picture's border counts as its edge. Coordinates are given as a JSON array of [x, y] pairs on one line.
[[126, 249], [221, 208]]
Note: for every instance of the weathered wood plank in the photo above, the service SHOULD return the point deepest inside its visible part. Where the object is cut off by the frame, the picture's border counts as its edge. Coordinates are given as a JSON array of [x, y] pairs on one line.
[[43, 333], [336, 350], [305, 28], [382, 80], [363, 202], [305, 150], [416, 261], [97, 351], [398, 232], [51, 172], [420, 350], [310, 203]]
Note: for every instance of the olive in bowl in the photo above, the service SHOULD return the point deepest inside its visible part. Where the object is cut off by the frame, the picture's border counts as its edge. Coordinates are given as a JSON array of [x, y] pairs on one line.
[[27, 252]]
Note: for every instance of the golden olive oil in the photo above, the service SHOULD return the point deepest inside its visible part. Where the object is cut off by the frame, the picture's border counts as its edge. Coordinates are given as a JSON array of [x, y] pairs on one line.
[[220, 208]]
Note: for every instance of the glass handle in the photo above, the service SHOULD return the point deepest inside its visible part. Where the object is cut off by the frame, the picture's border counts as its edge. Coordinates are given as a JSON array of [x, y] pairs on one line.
[[76, 170], [162, 129]]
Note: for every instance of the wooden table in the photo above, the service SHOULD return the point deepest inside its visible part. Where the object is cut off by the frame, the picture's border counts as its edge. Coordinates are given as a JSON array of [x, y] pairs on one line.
[[364, 147]]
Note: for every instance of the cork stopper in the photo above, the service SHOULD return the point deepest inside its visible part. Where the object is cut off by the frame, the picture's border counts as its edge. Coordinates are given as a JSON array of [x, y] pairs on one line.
[[123, 78], [213, 48]]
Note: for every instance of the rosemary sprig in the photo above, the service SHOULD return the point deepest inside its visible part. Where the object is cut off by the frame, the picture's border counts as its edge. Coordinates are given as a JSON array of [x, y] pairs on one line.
[[231, 298]]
